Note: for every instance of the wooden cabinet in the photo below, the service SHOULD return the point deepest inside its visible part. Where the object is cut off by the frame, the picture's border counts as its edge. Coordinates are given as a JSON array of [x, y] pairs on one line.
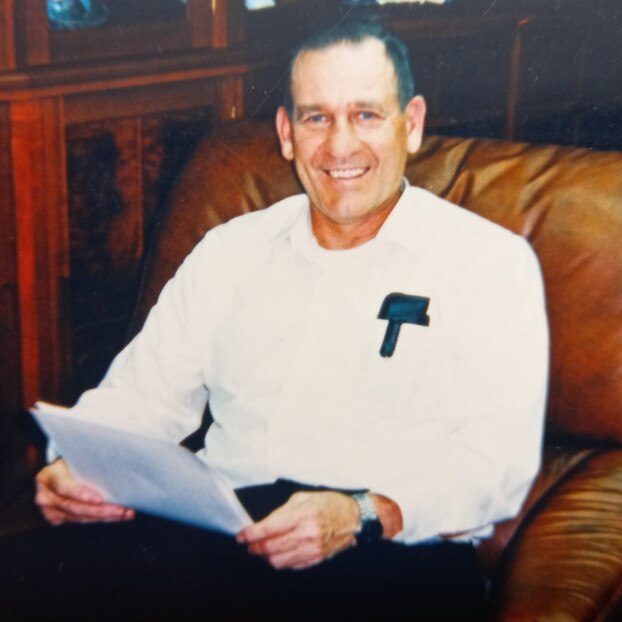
[[85, 138], [131, 27]]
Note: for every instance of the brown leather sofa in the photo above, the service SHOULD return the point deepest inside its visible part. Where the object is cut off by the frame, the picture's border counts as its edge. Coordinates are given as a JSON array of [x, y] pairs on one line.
[[561, 559]]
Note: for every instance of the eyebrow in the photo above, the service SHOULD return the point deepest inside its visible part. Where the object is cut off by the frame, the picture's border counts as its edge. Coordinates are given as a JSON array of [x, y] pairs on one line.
[[369, 104], [301, 111]]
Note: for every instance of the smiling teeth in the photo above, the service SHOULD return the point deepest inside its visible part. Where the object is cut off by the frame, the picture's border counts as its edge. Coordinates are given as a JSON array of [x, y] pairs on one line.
[[347, 173]]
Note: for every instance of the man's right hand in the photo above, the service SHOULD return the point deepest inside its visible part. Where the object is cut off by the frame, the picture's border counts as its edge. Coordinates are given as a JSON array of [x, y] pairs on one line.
[[64, 500]]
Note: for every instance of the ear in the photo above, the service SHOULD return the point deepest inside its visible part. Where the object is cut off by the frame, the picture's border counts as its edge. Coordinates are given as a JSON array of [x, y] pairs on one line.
[[415, 118], [284, 130]]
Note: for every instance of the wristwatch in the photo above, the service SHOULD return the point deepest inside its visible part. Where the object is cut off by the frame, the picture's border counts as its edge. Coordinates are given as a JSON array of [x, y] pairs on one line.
[[370, 529]]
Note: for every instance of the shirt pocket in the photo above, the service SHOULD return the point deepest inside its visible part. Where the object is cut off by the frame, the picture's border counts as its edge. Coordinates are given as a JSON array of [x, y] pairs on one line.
[[410, 385]]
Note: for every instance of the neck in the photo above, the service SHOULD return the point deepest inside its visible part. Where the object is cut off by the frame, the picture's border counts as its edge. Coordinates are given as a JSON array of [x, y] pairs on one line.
[[336, 235]]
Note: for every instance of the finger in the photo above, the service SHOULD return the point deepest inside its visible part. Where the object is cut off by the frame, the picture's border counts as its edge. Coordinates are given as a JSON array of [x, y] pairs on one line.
[[306, 529], [277, 544], [57, 508], [66, 486], [125, 515], [311, 551], [281, 521], [81, 492], [307, 554], [58, 517], [54, 517], [48, 496], [59, 480], [62, 499], [78, 511]]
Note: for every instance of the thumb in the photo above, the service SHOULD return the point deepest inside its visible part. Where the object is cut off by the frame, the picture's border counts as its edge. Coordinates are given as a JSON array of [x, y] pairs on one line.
[[282, 520]]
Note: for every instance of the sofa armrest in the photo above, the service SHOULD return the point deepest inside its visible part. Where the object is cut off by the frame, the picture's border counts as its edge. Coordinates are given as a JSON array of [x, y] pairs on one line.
[[565, 563]]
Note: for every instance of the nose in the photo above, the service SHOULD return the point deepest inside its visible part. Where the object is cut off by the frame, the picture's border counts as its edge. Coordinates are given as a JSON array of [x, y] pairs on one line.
[[343, 139]]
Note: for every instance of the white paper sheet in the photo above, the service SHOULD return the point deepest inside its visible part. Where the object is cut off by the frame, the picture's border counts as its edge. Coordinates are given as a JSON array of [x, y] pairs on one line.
[[146, 474]]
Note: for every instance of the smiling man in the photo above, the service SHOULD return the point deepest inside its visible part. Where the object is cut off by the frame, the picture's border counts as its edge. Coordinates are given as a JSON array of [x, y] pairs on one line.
[[385, 470], [349, 136]]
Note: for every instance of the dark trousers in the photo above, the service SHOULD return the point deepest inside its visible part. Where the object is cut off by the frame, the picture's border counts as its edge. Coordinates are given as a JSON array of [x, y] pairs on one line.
[[155, 569]]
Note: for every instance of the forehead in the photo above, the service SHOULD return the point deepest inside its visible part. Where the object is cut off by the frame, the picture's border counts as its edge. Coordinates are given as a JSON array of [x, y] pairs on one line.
[[344, 72]]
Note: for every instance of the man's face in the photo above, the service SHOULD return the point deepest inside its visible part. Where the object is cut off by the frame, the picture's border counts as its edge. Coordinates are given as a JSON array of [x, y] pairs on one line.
[[348, 137]]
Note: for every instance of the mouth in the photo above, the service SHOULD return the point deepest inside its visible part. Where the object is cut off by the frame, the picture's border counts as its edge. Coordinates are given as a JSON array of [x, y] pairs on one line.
[[346, 173]]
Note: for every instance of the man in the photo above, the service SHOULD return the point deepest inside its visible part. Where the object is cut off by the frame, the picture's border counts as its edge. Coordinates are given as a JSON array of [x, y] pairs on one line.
[[443, 430]]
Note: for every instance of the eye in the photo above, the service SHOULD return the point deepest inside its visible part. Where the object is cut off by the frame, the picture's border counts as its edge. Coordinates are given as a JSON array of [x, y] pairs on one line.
[[316, 118], [366, 115]]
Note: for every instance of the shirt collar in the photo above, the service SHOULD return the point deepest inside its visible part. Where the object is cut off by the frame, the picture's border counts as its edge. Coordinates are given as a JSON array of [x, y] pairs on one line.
[[398, 228]]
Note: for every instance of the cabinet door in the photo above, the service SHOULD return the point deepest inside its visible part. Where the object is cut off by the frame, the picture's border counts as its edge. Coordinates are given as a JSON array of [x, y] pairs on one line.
[[119, 175], [121, 28]]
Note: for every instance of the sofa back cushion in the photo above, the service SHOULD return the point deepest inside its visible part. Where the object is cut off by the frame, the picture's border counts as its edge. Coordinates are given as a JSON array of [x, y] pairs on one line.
[[565, 201]]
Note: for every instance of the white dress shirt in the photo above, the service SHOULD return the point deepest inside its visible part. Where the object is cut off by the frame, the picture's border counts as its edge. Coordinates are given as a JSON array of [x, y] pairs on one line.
[[283, 338]]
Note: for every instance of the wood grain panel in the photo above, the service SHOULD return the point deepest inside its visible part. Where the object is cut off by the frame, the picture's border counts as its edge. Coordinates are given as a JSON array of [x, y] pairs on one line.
[[120, 172], [7, 217], [36, 35], [230, 98], [228, 22], [117, 40], [7, 36], [147, 100], [106, 232], [105, 207], [200, 16], [39, 181], [10, 381], [168, 141]]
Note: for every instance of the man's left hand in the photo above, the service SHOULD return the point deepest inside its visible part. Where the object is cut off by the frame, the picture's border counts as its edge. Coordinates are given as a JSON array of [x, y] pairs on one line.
[[309, 528]]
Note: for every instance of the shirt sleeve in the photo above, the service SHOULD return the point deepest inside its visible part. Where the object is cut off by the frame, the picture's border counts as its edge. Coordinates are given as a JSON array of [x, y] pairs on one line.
[[155, 386], [495, 405]]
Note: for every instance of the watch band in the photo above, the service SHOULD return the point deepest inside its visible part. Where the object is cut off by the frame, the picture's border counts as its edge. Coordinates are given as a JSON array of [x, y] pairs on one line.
[[370, 529]]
